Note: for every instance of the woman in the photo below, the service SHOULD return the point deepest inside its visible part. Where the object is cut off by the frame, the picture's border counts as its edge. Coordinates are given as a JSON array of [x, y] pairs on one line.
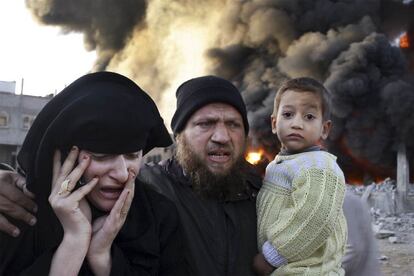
[[94, 217]]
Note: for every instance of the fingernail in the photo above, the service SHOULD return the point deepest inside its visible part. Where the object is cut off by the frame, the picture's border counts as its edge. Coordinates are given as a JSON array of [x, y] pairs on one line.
[[15, 232], [85, 157], [34, 209], [32, 221], [74, 148], [132, 173]]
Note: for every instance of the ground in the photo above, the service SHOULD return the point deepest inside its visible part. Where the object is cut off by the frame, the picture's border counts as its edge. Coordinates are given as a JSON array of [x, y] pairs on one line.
[[399, 257]]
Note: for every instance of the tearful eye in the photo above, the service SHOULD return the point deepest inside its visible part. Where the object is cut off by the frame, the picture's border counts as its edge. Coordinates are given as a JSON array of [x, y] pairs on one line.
[[133, 155], [100, 156]]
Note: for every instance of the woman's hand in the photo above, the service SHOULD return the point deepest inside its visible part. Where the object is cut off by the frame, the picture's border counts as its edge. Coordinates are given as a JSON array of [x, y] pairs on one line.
[[70, 206], [73, 212], [107, 227]]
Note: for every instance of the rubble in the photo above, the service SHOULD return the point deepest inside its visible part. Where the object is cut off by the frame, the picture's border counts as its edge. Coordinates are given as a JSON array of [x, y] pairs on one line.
[[393, 239], [387, 185], [385, 196], [383, 234], [392, 227], [383, 258], [387, 224]]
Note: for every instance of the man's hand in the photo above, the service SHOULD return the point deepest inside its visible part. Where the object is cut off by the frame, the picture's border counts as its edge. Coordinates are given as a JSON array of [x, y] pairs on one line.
[[15, 201], [261, 266]]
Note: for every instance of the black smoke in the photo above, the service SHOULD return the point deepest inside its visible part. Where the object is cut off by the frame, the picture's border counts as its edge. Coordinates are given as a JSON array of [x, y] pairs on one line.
[[106, 24], [343, 44], [259, 43]]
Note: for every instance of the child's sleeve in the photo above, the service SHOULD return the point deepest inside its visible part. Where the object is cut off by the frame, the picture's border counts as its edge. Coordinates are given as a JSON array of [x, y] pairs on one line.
[[301, 229]]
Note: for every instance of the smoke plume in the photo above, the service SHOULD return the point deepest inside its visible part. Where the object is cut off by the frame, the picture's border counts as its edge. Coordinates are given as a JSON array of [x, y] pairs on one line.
[[257, 44]]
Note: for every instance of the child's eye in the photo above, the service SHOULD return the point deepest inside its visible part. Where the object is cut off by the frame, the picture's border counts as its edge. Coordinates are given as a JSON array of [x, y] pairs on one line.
[[287, 114], [309, 117]]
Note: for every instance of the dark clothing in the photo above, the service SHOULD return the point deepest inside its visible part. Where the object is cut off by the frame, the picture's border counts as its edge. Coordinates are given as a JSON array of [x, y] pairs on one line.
[[219, 236], [198, 92], [149, 243], [97, 113]]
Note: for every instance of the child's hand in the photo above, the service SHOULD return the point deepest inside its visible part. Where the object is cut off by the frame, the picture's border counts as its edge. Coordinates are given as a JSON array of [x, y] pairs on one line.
[[261, 266]]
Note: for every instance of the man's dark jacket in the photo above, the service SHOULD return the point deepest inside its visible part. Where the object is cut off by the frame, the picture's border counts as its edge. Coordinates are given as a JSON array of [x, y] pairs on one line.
[[219, 236]]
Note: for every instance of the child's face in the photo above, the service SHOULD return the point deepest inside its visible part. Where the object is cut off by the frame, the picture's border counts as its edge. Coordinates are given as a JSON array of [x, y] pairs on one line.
[[299, 122]]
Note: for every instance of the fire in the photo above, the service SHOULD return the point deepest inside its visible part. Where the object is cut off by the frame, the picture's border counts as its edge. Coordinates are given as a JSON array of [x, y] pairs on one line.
[[404, 41], [362, 167], [254, 157]]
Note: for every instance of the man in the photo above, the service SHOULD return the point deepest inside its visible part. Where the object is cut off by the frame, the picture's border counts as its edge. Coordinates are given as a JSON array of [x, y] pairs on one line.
[[207, 178]]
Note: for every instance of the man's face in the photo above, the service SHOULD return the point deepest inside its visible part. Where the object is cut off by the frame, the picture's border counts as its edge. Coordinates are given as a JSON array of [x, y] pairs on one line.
[[215, 134]]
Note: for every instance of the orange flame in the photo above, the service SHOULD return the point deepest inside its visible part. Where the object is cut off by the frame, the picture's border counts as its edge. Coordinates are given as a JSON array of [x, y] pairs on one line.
[[404, 41], [362, 166], [254, 157]]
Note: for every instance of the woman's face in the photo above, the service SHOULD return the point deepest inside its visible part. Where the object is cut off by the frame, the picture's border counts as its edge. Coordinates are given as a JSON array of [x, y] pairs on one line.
[[112, 171]]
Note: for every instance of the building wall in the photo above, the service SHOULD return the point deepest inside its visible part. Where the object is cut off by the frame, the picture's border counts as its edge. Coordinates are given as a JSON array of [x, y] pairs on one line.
[[158, 154], [20, 111], [17, 113], [8, 154]]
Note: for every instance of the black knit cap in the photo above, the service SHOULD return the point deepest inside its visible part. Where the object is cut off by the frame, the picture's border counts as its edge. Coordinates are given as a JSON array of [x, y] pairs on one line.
[[102, 112], [198, 92]]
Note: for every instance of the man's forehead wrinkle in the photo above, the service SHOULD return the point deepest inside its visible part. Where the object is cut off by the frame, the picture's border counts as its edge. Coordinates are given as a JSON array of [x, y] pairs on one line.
[[217, 114], [218, 117]]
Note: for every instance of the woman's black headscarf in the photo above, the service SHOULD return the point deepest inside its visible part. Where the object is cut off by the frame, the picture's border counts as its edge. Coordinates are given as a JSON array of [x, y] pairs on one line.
[[102, 112]]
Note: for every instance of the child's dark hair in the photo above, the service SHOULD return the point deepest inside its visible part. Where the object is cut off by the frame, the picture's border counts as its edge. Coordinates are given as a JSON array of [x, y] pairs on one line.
[[305, 84]]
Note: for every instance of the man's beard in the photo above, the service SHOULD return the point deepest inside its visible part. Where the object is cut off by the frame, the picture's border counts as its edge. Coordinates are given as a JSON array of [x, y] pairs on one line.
[[221, 186]]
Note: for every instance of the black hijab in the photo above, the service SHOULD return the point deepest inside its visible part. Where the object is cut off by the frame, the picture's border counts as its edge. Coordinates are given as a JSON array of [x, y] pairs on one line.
[[101, 112]]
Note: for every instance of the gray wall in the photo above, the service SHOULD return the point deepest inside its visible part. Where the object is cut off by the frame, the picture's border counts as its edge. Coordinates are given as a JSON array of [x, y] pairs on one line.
[[18, 108]]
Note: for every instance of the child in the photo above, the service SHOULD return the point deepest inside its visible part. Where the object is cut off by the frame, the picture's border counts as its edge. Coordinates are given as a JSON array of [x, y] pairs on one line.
[[301, 225]]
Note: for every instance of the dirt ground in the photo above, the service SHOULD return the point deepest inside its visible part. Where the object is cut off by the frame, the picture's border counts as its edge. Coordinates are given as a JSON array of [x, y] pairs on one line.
[[399, 257], [396, 259]]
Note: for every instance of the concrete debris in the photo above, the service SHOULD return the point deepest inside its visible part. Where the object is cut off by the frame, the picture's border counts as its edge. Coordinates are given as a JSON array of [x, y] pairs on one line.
[[392, 224], [388, 185], [401, 225], [383, 234], [386, 224], [386, 197], [393, 239], [383, 258]]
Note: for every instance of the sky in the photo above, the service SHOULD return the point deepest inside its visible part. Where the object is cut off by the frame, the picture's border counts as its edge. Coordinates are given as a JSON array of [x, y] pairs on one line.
[[43, 56]]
